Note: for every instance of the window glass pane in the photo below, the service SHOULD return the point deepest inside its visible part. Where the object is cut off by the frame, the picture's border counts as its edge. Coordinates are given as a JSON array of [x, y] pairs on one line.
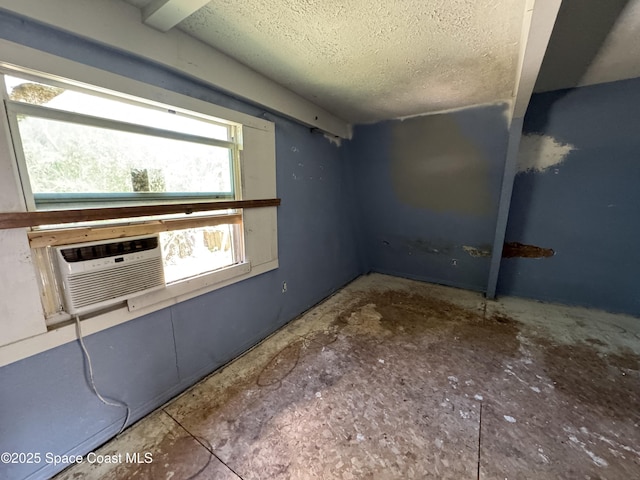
[[63, 157], [193, 251], [35, 93]]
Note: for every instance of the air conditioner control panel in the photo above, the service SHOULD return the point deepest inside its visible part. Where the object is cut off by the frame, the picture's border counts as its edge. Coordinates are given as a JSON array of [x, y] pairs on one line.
[[103, 255]]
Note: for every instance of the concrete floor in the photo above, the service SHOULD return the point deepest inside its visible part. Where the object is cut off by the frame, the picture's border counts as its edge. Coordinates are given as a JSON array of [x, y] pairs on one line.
[[395, 379]]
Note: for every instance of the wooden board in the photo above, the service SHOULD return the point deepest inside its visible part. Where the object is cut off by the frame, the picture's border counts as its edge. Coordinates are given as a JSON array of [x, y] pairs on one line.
[[54, 217], [77, 235]]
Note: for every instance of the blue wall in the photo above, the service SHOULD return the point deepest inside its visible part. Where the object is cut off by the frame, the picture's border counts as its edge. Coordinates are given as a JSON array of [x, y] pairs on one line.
[[428, 186], [587, 209], [45, 403]]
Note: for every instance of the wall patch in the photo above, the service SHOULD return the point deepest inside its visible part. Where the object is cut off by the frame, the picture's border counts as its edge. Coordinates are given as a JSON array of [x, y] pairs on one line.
[[437, 167], [538, 153]]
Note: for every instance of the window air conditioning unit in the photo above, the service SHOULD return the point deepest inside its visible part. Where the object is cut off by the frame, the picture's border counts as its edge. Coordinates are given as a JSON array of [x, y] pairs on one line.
[[95, 275]]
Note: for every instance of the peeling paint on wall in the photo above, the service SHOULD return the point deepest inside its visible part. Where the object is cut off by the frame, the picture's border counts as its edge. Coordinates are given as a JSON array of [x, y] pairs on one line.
[[538, 153], [436, 167], [477, 252], [429, 246], [515, 249], [337, 141], [436, 247]]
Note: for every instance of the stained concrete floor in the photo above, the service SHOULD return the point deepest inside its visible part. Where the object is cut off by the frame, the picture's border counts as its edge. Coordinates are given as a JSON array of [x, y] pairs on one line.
[[395, 379]]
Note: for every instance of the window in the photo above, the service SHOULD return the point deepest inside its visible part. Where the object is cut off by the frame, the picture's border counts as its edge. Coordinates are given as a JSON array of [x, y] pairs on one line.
[[189, 252], [79, 146]]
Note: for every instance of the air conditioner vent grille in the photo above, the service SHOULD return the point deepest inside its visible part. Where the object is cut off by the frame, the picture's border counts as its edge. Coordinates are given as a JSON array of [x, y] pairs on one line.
[[94, 287], [93, 277]]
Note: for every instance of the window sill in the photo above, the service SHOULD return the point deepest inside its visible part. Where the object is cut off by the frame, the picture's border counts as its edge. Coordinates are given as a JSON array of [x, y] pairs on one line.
[[185, 289], [134, 308]]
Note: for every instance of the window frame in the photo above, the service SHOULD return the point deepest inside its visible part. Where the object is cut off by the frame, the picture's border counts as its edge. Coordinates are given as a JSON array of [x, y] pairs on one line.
[[15, 108], [26, 332], [50, 290]]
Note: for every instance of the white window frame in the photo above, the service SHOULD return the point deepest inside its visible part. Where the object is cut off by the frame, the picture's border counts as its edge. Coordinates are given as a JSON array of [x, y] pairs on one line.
[[16, 108], [21, 317]]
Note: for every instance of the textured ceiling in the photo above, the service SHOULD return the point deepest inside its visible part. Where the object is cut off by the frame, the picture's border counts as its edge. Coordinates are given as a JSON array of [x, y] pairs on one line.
[[369, 60], [375, 59]]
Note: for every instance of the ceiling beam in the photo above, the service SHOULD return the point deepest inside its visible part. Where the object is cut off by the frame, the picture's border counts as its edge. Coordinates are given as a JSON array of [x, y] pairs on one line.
[[539, 20], [163, 15]]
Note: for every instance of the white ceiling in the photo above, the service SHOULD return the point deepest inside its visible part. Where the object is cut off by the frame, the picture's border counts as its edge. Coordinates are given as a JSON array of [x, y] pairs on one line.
[[369, 60], [619, 57], [594, 42]]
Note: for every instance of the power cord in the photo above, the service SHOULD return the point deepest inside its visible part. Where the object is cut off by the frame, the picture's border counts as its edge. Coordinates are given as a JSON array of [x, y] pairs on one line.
[[92, 383]]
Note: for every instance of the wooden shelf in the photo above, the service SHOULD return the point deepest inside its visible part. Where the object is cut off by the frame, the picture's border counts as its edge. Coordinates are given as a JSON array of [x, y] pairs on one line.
[[55, 217]]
